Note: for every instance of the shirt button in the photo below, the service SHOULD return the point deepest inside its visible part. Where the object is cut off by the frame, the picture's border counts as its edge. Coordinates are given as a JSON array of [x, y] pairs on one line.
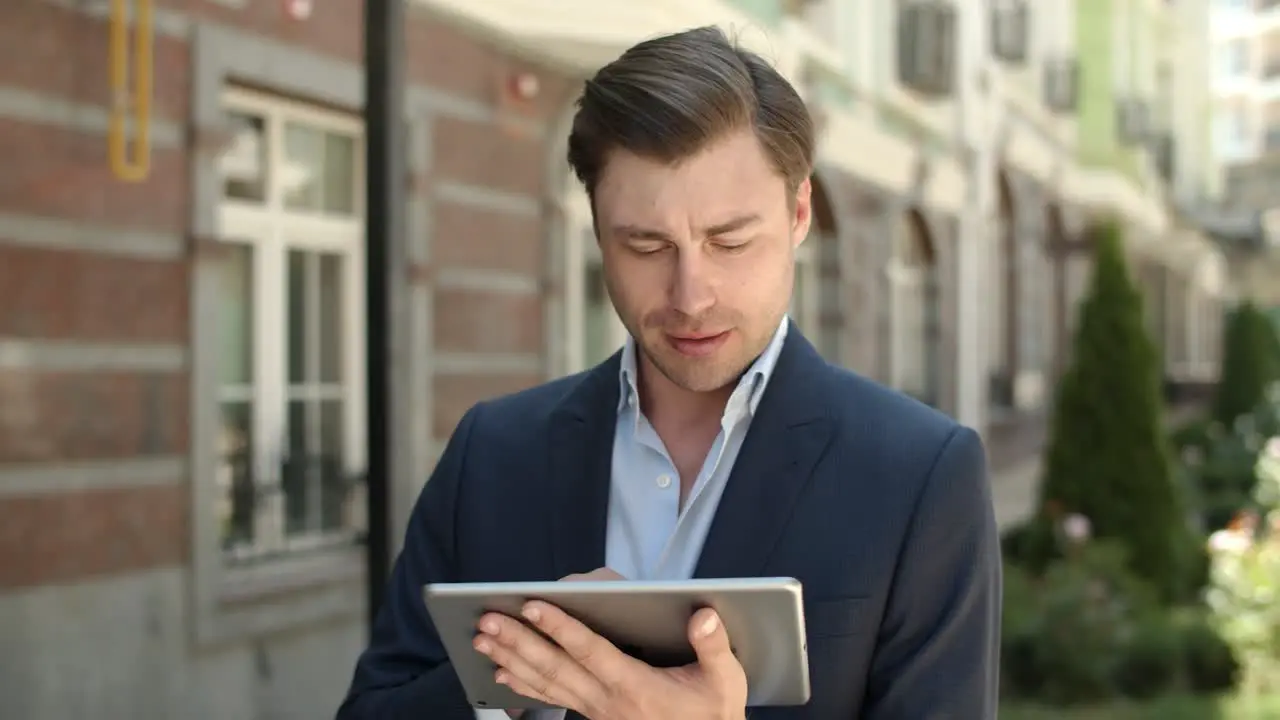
[[664, 481]]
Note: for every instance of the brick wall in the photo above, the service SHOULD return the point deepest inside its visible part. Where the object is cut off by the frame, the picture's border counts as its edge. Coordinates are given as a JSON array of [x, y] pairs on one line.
[[96, 326]]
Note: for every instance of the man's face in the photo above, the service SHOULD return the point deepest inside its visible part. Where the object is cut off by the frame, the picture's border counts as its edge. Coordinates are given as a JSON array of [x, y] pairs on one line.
[[699, 256]]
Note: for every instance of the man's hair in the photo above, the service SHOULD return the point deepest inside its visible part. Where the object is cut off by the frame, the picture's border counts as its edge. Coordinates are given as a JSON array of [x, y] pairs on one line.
[[670, 97]]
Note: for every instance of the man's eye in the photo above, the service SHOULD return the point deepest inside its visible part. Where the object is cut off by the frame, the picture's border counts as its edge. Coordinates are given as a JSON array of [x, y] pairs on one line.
[[647, 248], [733, 247]]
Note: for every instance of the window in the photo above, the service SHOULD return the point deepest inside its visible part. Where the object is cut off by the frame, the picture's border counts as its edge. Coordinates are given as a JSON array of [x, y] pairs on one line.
[[602, 330], [1233, 58], [292, 367], [806, 296], [915, 312], [1272, 141], [1240, 129], [1238, 57]]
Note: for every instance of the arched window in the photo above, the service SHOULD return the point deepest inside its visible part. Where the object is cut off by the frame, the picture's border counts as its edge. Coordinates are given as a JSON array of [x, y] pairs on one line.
[[815, 298], [1003, 287], [913, 282]]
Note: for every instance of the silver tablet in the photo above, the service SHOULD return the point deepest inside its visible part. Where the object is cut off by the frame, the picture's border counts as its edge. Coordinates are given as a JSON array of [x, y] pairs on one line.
[[648, 620]]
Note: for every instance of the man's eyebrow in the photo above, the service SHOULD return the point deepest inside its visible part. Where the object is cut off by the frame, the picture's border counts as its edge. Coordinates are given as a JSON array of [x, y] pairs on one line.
[[729, 226], [637, 232]]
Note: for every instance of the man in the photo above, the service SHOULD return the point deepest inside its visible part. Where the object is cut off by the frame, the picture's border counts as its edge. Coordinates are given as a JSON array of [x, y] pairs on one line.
[[716, 444]]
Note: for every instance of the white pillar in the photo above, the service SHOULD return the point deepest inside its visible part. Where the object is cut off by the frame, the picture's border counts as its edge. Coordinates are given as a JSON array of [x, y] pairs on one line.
[[974, 131]]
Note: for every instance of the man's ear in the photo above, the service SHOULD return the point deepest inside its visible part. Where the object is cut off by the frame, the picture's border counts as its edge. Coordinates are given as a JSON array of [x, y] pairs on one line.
[[802, 218]]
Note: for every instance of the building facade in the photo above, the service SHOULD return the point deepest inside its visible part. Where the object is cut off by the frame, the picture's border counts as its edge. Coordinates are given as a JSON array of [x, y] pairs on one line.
[[1142, 123], [182, 395], [1246, 78]]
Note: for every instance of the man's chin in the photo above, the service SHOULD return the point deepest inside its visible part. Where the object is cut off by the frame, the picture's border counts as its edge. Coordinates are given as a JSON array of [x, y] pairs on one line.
[[700, 375]]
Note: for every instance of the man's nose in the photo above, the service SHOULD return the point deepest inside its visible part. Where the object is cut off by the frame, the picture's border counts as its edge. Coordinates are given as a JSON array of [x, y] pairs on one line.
[[692, 292]]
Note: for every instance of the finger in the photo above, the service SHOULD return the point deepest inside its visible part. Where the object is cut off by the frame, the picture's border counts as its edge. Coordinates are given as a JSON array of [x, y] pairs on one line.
[[536, 661], [603, 573], [587, 649], [710, 641], [520, 687]]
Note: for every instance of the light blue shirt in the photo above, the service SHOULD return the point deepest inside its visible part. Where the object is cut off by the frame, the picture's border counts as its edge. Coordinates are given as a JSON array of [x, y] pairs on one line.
[[649, 536]]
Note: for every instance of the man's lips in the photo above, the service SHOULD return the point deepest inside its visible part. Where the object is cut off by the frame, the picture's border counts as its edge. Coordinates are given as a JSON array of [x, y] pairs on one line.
[[697, 345]]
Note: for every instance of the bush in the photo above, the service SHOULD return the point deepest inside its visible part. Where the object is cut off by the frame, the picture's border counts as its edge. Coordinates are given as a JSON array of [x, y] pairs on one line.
[[1065, 633], [1250, 363], [1245, 581], [1210, 666], [1221, 465], [1108, 456], [1151, 660]]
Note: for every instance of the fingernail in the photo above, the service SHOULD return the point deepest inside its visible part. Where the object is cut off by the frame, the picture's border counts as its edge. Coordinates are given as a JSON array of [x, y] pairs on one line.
[[483, 646], [532, 613], [500, 677], [490, 626], [709, 625]]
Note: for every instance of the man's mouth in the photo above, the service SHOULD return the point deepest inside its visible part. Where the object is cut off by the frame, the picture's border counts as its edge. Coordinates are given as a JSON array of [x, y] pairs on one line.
[[697, 344]]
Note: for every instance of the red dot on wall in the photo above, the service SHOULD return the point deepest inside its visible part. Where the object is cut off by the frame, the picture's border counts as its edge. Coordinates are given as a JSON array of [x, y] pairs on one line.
[[523, 86], [298, 9]]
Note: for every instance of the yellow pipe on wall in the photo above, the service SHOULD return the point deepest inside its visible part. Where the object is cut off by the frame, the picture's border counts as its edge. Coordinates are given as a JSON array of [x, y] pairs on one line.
[[126, 100]]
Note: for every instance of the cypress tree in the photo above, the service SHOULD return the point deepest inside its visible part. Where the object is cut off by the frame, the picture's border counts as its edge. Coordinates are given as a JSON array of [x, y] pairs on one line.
[[1250, 363], [1108, 457]]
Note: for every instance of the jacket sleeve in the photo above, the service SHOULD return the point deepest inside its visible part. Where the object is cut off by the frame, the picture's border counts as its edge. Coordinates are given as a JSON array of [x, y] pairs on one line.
[[405, 672], [938, 653]]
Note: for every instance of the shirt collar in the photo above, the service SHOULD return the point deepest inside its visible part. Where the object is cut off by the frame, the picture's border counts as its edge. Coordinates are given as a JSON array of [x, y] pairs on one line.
[[751, 385]]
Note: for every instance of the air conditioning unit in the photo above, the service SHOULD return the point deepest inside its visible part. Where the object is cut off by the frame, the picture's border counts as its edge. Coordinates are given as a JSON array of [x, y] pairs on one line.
[[1011, 31], [1133, 121], [1164, 148], [927, 47], [1062, 85]]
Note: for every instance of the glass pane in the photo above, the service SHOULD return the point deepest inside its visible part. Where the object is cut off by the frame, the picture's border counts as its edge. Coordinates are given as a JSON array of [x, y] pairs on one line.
[[798, 310], [236, 491], [597, 310], [331, 287], [303, 167], [297, 471], [244, 164], [236, 316], [912, 339], [334, 488], [298, 316], [339, 174]]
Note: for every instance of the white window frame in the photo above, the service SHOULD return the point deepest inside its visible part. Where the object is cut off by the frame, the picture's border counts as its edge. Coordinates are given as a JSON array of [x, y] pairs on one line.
[[906, 278], [808, 314], [273, 231], [580, 254]]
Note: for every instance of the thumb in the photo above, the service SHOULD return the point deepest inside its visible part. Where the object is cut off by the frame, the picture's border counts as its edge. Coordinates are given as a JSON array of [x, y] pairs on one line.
[[711, 643]]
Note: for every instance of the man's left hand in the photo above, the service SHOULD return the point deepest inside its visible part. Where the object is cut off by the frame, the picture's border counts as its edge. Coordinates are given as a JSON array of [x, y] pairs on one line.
[[584, 672]]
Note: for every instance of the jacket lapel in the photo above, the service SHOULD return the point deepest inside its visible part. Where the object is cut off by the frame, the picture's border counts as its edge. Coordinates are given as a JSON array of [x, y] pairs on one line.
[[581, 453], [789, 434]]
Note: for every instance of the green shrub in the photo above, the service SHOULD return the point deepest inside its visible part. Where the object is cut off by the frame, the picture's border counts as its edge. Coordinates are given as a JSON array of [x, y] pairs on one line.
[[1245, 582], [1220, 470], [1210, 666], [1108, 457], [1250, 363], [1066, 632], [1151, 660], [1030, 545]]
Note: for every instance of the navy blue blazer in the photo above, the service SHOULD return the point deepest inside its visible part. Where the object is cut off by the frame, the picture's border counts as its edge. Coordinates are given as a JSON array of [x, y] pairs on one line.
[[879, 505]]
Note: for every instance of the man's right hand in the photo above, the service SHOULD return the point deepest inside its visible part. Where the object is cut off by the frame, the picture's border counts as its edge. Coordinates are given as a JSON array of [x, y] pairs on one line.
[[603, 573]]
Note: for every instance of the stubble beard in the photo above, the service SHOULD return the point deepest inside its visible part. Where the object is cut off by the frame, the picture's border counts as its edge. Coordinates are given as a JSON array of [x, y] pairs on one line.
[[704, 374]]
